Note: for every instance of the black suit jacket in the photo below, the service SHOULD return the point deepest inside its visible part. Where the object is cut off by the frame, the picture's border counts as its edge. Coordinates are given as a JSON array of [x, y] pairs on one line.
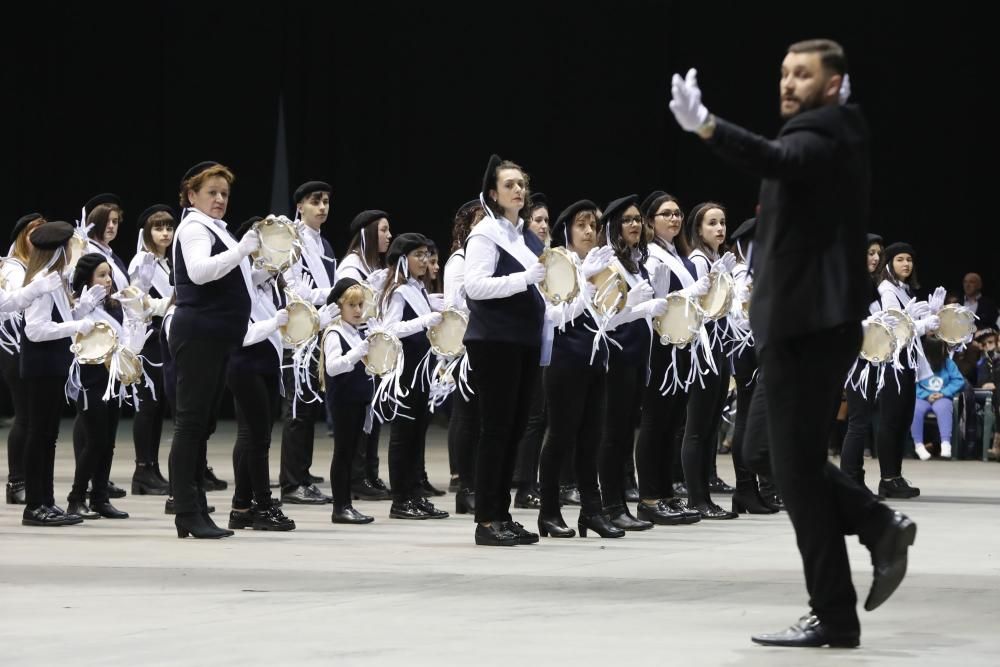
[[809, 249], [986, 311]]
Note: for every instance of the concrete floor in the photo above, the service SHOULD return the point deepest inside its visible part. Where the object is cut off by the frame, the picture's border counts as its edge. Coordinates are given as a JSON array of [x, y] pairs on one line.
[[415, 593]]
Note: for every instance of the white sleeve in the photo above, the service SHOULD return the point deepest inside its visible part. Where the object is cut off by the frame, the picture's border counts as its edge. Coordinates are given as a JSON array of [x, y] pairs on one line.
[[701, 265], [202, 267], [159, 306], [342, 273], [393, 318], [336, 361], [38, 324], [566, 312], [15, 300], [888, 297], [454, 283], [319, 295], [481, 257], [259, 331]]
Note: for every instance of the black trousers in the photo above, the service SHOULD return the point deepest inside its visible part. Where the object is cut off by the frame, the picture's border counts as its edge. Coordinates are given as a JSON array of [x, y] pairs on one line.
[[365, 461], [860, 409], [45, 399], [744, 367], [98, 424], [147, 427], [407, 440], [802, 380], [17, 436], [530, 447], [255, 398], [298, 435], [701, 432], [348, 430], [895, 412], [463, 434], [575, 397], [506, 375], [660, 425], [625, 386], [200, 365]]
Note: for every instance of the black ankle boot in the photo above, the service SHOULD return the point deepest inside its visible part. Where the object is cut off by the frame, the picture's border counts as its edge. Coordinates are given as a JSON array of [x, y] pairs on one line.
[[747, 501], [145, 481], [465, 502], [159, 474], [622, 518], [600, 524], [15, 493], [554, 526], [199, 525]]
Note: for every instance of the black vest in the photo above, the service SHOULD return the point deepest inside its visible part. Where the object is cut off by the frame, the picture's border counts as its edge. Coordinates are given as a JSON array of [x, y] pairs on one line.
[[356, 386], [48, 359], [515, 319], [573, 346], [634, 338], [415, 346]]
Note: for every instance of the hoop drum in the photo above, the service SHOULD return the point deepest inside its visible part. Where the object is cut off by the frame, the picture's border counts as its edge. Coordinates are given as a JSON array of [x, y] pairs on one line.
[[446, 338], [129, 367], [958, 324], [680, 324], [97, 346], [303, 323], [905, 330], [76, 249], [383, 352], [135, 301], [879, 342], [612, 291], [279, 244], [560, 284], [719, 299]]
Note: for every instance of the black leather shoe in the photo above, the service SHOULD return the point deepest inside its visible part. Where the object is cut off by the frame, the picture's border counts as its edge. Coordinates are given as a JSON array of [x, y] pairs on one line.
[[773, 501], [810, 632], [495, 535], [716, 485], [600, 524], [115, 491], [631, 490], [569, 495], [622, 518], [381, 486], [465, 502], [348, 514], [15, 493], [313, 479], [268, 517], [429, 509], [428, 488], [889, 558], [554, 526], [660, 514], [48, 517], [407, 510], [304, 495], [746, 501], [365, 490], [168, 507], [678, 505], [145, 481], [80, 509], [527, 499], [897, 488], [454, 484], [524, 536], [213, 483], [109, 511], [240, 520], [200, 526], [713, 512], [680, 489]]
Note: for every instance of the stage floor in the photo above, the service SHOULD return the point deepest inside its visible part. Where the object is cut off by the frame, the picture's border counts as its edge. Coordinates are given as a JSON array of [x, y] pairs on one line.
[[416, 593]]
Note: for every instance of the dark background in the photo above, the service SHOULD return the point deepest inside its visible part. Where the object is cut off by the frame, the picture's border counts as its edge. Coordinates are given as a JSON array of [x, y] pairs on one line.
[[399, 105]]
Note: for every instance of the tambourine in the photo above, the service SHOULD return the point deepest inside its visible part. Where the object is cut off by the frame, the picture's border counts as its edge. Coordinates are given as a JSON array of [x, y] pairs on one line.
[[97, 346], [905, 330], [560, 284], [77, 247], [446, 337], [129, 366], [680, 324], [136, 302], [879, 343], [719, 298], [303, 322], [280, 246], [612, 291], [383, 353], [370, 306], [958, 324]]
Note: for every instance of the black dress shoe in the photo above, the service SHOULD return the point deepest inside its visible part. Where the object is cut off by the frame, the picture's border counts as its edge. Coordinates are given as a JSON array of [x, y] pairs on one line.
[[600, 524], [678, 505], [622, 518], [889, 558], [268, 517], [527, 499], [680, 489], [465, 502], [569, 495], [240, 520], [897, 488], [47, 517], [429, 509], [407, 510], [213, 483], [348, 514], [145, 481], [80, 509], [524, 536], [168, 507], [380, 485], [660, 514], [304, 495], [454, 484], [15, 493], [200, 526], [773, 501], [365, 490], [313, 479], [109, 511], [713, 512], [428, 488], [746, 501], [631, 490], [115, 491], [716, 485], [810, 632], [495, 535], [554, 526]]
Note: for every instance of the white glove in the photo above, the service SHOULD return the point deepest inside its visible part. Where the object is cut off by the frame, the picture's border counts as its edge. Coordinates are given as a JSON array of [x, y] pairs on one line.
[[327, 314], [660, 279], [143, 277], [303, 291], [436, 301], [641, 293], [845, 89], [700, 287], [44, 284], [535, 273], [686, 104], [742, 293], [936, 301], [917, 310], [597, 260], [889, 320], [658, 307], [249, 242], [90, 297], [927, 325], [355, 355], [280, 318], [724, 264], [376, 279], [589, 292], [84, 327], [430, 320]]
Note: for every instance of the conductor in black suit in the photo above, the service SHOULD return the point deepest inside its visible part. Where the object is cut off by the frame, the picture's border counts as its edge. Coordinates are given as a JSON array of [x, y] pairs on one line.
[[810, 295]]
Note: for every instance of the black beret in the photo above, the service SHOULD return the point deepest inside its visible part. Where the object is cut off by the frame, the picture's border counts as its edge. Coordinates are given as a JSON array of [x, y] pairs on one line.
[[365, 218], [616, 208], [874, 238], [155, 208], [245, 227], [648, 202], [23, 222], [103, 198], [893, 250], [747, 230], [490, 176], [51, 235], [404, 244], [560, 231], [84, 271], [197, 169], [308, 188], [537, 200], [339, 288]]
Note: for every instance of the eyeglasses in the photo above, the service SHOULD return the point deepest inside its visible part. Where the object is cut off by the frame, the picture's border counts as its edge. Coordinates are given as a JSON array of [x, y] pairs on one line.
[[632, 220], [421, 256], [669, 214]]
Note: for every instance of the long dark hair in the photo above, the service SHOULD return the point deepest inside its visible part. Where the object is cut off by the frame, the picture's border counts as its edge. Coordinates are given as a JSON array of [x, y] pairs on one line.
[[493, 184], [889, 274], [465, 220], [690, 236], [374, 259], [876, 275], [613, 229], [935, 351], [649, 215]]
